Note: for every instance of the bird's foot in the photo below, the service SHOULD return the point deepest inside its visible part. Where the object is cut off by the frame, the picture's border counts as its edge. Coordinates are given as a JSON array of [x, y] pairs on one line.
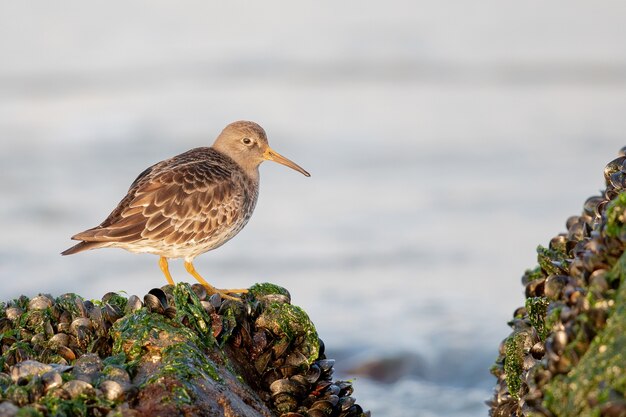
[[211, 289], [225, 293]]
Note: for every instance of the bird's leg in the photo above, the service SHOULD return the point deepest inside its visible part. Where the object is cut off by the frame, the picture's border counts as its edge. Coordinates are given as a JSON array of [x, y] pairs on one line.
[[211, 289], [166, 270]]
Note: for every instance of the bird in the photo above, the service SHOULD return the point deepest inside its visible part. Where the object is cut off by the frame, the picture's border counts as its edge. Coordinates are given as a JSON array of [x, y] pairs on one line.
[[191, 203]]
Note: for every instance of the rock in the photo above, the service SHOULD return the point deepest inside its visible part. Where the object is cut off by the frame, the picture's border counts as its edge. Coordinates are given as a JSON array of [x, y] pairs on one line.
[[566, 355], [182, 353]]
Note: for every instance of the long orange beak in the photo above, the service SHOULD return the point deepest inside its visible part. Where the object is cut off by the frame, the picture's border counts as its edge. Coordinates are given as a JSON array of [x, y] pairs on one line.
[[272, 155]]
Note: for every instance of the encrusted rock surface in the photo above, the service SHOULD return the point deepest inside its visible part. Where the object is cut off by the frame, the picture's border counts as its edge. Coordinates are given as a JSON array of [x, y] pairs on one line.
[[176, 352], [566, 355]]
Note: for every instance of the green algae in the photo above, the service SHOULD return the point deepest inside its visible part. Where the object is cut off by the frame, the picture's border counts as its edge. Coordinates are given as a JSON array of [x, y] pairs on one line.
[[29, 412], [133, 333], [229, 321], [602, 368], [533, 275], [537, 308], [288, 322], [80, 406], [291, 322], [180, 348], [68, 302], [260, 290], [190, 309], [616, 218], [514, 362], [185, 362], [551, 261]]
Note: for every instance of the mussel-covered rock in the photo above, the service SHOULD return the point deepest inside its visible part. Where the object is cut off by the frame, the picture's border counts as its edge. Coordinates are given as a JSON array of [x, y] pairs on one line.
[[575, 315], [182, 351]]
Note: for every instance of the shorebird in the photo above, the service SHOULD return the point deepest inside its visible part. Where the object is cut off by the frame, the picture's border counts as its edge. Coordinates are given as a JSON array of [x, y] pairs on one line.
[[189, 204]]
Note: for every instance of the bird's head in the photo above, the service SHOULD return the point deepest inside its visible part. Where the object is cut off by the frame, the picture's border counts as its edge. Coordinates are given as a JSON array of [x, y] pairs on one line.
[[246, 143]]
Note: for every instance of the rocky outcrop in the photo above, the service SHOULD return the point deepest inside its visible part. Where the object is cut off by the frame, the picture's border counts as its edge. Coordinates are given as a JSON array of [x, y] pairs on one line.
[[566, 355], [176, 352]]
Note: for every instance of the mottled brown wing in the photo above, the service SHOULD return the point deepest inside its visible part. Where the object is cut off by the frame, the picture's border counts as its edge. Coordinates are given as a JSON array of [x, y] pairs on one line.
[[184, 203]]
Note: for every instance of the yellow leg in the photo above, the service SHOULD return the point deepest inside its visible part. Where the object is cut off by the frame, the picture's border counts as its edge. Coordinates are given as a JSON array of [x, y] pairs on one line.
[[211, 289], [166, 270]]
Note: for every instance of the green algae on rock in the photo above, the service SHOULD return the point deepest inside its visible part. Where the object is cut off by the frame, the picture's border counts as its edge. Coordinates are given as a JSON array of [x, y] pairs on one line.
[[180, 352], [599, 377], [567, 353]]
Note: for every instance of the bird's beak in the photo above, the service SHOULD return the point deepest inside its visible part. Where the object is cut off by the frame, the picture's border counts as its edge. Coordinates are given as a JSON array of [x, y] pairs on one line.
[[272, 155]]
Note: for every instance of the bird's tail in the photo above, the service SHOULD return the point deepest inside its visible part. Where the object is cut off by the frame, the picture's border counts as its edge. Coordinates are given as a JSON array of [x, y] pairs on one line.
[[82, 246]]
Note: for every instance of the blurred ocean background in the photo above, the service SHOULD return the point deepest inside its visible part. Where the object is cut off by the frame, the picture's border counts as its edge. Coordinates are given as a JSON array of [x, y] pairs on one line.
[[445, 139]]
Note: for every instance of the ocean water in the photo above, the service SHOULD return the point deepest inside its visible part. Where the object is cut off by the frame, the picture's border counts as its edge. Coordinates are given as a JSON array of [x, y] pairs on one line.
[[446, 140]]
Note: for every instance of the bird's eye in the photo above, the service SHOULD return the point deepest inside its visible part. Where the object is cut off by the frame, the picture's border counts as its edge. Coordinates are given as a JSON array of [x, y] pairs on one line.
[[247, 141]]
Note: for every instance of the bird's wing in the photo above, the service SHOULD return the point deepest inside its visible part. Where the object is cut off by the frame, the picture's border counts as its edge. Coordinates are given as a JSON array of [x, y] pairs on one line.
[[175, 204]]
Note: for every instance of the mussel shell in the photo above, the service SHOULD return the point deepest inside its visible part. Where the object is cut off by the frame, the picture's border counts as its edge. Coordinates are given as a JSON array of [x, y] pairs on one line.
[[345, 403], [313, 374], [111, 313], [76, 387], [554, 286], [535, 288], [160, 294], [297, 359], [280, 347], [112, 390], [153, 304], [326, 365], [324, 405], [156, 301], [97, 320], [117, 373], [170, 312], [345, 388], [38, 339], [13, 313], [200, 291], [80, 322], [285, 385], [59, 339], [333, 389], [63, 327], [260, 363], [559, 243], [27, 368], [5, 325], [558, 342], [614, 166], [66, 353], [216, 300], [40, 302], [133, 304], [285, 402], [618, 180], [106, 297], [51, 379], [208, 307], [80, 308]]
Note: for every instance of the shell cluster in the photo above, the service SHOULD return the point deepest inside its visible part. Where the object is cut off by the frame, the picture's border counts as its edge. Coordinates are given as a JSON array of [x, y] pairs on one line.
[[59, 356], [57, 350], [569, 297]]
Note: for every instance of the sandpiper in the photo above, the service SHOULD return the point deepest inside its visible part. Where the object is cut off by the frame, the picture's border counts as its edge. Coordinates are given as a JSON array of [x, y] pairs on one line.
[[191, 203]]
